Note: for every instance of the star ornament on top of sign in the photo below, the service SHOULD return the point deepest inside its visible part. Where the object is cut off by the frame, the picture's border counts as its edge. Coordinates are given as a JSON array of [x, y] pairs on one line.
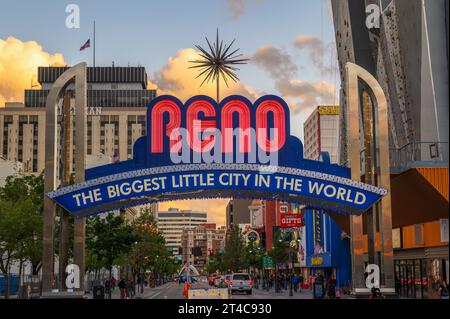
[[219, 62]]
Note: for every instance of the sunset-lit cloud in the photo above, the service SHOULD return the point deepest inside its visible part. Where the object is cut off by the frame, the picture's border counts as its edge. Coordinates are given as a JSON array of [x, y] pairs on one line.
[[301, 95], [19, 61], [276, 62], [319, 53], [310, 94], [239, 7], [175, 78]]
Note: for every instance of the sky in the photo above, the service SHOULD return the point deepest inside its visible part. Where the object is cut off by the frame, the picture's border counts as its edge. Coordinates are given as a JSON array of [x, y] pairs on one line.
[[290, 44]]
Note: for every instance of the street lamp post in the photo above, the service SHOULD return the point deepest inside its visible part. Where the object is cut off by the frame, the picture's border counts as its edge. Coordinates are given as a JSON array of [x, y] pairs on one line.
[[291, 259]]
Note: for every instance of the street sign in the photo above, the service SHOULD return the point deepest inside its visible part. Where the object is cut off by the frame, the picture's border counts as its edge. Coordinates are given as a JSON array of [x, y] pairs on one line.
[[268, 262], [291, 220], [173, 160]]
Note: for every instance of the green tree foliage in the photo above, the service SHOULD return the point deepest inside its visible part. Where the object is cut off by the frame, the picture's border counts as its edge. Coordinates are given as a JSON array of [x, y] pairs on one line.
[[234, 254], [21, 206], [215, 263], [279, 252], [149, 252], [108, 239], [253, 255]]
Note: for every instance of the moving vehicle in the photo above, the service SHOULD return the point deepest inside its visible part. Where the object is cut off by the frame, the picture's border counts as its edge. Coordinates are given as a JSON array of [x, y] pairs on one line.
[[240, 282]]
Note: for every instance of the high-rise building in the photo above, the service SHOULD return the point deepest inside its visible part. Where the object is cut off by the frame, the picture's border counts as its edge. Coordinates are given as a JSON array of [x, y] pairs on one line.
[[321, 133], [117, 100], [199, 243], [408, 55], [171, 224], [238, 212]]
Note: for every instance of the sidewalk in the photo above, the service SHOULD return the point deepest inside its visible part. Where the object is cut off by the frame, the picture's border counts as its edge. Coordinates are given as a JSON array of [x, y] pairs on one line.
[[148, 292], [284, 294]]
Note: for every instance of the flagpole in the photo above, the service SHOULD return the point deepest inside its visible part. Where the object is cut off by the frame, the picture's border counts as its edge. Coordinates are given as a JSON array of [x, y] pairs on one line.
[[94, 46]]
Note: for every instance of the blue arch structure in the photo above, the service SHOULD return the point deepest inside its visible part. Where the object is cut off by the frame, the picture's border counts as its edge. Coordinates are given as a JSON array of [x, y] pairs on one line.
[[150, 177]]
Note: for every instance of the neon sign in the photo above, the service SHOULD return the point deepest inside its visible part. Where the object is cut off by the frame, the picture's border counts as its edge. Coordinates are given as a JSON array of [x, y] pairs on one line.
[[202, 149]]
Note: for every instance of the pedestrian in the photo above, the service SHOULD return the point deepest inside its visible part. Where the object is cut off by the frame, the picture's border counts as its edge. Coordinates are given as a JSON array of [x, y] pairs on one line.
[[186, 289], [122, 285], [294, 282], [130, 289], [443, 290], [270, 281], [300, 282], [331, 287], [140, 284], [258, 278], [107, 288]]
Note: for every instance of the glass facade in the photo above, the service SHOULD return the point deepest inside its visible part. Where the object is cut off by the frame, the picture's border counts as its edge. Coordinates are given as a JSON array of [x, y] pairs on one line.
[[99, 98], [419, 278]]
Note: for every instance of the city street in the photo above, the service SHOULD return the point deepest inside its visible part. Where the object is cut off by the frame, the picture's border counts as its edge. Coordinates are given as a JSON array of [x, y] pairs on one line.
[[173, 290]]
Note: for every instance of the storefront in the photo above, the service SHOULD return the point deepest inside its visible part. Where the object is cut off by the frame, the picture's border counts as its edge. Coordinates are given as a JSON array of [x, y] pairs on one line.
[[327, 249], [419, 272]]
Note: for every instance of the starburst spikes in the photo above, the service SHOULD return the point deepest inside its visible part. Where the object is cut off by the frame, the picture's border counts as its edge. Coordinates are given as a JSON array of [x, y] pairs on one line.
[[219, 62]]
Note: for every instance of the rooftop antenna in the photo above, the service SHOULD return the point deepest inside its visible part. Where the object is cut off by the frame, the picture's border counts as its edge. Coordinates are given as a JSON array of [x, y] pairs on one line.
[[94, 47]]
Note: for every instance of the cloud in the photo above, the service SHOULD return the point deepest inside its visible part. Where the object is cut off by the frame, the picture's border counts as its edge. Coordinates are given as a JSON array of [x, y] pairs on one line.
[[319, 52], [307, 94], [18, 67], [215, 208], [275, 61], [239, 7], [301, 95], [175, 78]]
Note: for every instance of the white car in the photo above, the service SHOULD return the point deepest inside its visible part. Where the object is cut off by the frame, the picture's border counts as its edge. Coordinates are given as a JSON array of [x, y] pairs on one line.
[[240, 282]]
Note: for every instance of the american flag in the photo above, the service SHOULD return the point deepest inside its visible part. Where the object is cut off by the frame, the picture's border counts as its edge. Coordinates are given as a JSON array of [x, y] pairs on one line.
[[86, 45]]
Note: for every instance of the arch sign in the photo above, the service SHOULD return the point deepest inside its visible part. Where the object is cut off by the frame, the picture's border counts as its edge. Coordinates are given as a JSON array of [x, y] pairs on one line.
[[202, 149]]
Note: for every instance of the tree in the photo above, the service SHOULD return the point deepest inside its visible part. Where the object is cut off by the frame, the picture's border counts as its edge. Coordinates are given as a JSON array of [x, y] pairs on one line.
[[215, 263], [234, 253], [253, 255], [9, 244], [279, 252], [21, 206], [108, 239], [149, 252]]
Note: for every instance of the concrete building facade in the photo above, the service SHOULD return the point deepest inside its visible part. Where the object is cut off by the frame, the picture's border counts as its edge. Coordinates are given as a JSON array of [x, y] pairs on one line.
[[117, 100], [408, 55], [199, 243], [321, 133], [238, 212], [171, 224]]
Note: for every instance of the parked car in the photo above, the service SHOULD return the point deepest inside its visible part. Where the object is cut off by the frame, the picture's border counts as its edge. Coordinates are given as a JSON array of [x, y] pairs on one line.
[[219, 281], [240, 282]]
